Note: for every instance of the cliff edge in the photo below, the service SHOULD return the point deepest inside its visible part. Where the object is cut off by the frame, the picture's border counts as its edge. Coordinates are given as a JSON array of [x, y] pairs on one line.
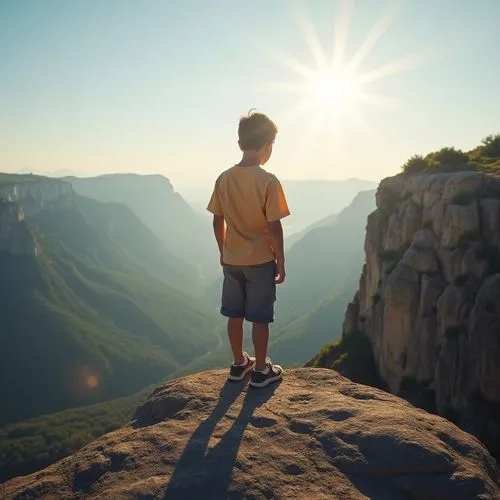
[[429, 295], [314, 435]]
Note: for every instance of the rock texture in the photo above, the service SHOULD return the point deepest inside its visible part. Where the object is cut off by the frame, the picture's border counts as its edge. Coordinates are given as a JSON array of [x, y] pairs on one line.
[[429, 295], [315, 435]]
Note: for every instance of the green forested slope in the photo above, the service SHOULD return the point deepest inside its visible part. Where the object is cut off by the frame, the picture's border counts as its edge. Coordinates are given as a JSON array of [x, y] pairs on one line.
[[83, 321]]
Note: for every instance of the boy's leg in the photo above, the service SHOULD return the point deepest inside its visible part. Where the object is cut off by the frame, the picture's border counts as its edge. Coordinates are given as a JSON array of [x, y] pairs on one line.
[[233, 307], [259, 309], [235, 333], [260, 338]]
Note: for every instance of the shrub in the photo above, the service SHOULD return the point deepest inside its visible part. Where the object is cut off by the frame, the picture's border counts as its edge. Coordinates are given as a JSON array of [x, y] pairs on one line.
[[484, 158], [352, 357], [416, 164], [491, 146], [448, 159]]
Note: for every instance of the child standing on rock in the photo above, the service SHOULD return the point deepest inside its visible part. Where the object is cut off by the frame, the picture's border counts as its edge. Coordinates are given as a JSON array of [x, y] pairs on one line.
[[248, 204]]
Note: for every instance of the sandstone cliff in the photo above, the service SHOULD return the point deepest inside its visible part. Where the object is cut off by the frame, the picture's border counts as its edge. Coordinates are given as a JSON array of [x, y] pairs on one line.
[[26, 196], [429, 295], [15, 237], [34, 193], [315, 435]]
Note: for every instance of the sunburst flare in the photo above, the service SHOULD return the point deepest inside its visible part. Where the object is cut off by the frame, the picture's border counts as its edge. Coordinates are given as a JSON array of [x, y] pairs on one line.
[[334, 88]]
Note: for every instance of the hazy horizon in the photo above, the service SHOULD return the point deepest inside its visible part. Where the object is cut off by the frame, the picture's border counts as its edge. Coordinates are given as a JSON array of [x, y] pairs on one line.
[[110, 87]]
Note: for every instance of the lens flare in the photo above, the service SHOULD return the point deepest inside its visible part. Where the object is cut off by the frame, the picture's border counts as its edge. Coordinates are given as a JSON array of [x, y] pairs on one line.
[[92, 381]]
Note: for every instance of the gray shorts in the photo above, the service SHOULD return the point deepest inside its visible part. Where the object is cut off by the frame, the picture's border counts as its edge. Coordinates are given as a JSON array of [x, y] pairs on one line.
[[249, 292]]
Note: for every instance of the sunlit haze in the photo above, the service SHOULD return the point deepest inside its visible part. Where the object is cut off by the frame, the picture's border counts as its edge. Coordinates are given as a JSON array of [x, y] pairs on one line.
[[158, 87]]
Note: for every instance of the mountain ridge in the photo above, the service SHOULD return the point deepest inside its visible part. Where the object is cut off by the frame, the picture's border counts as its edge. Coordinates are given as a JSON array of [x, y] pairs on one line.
[[155, 202], [88, 312]]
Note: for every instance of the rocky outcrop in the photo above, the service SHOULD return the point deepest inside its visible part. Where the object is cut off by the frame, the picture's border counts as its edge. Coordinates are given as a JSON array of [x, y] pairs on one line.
[[429, 295], [15, 237], [26, 196], [314, 435], [36, 194]]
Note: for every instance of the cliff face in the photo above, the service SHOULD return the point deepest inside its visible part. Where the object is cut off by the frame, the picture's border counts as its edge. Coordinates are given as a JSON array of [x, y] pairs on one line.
[[429, 294], [314, 435], [15, 237], [25, 198], [35, 195]]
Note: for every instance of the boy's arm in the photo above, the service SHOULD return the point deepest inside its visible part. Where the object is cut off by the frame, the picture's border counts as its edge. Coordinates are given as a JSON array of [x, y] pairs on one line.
[[276, 209], [219, 226], [276, 236], [219, 232]]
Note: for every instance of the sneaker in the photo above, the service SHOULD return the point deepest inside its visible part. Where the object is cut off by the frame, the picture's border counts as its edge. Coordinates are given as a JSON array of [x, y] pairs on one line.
[[238, 372], [271, 373]]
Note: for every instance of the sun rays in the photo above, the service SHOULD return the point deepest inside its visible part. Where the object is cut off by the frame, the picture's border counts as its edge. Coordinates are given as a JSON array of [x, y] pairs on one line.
[[334, 87]]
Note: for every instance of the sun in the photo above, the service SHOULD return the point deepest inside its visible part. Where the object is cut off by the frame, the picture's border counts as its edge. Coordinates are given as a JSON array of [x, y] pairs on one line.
[[334, 90]]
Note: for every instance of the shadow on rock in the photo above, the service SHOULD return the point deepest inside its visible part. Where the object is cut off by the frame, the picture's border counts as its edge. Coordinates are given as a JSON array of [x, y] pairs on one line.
[[208, 475]]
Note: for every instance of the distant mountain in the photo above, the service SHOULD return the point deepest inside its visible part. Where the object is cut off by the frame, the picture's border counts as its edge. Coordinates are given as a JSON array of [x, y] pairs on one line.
[[64, 172], [92, 306], [329, 220], [185, 232], [112, 236], [309, 201], [312, 200], [323, 270], [105, 316]]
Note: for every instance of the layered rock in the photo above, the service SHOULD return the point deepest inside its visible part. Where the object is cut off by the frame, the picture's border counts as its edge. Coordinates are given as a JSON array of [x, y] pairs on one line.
[[15, 237], [27, 197], [37, 194], [315, 435], [429, 296]]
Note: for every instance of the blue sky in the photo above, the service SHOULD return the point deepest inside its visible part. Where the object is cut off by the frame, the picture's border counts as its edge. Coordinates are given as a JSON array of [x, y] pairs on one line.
[[158, 86]]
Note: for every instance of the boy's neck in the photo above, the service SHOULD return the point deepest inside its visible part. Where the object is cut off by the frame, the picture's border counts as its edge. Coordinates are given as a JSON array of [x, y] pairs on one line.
[[249, 159]]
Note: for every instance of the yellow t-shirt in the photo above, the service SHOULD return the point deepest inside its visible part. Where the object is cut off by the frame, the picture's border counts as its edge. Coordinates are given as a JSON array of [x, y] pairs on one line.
[[248, 198]]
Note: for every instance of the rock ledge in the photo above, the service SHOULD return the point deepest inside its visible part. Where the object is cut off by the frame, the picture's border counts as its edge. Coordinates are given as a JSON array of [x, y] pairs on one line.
[[315, 435]]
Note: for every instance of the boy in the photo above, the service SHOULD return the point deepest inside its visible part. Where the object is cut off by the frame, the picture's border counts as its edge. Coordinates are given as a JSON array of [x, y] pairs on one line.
[[248, 204]]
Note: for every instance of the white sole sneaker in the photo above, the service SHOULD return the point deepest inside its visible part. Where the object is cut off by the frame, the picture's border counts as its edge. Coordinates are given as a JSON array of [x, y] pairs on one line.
[[238, 373], [259, 379]]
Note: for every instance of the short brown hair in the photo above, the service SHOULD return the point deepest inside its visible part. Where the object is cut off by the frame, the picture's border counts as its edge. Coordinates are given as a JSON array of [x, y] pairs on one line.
[[255, 130]]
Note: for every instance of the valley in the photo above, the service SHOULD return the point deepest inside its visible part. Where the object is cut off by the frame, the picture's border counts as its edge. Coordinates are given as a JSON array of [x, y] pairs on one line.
[[139, 139], [105, 300]]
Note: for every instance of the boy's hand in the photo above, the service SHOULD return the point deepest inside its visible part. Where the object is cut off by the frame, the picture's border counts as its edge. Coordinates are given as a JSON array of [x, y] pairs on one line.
[[280, 273], [221, 260]]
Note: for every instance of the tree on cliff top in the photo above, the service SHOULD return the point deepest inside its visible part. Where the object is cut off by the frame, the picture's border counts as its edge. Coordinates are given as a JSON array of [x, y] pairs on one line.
[[490, 146], [448, 159], [485, 157], [415, 164]]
